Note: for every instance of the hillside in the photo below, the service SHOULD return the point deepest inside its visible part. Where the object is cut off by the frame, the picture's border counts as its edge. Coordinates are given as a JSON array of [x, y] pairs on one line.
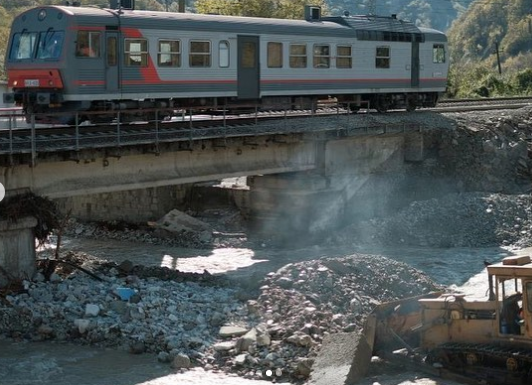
[[476, 33]]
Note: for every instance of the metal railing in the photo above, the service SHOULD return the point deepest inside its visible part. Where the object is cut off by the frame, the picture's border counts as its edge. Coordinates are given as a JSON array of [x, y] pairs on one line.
[[25, 135]]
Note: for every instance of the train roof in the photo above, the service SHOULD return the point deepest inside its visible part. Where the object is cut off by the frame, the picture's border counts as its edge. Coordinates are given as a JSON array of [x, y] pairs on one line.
[[348, 26]]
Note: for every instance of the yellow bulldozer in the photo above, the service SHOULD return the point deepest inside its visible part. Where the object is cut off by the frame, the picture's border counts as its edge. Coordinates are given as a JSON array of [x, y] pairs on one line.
[[485, 341]]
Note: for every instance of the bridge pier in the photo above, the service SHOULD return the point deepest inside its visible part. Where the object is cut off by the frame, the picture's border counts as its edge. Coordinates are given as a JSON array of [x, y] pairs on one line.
[[289, 204], [353, 177], [17, 250]]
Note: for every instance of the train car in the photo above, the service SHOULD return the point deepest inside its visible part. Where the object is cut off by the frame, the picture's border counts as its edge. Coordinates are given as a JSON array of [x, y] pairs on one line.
[[74, 59]]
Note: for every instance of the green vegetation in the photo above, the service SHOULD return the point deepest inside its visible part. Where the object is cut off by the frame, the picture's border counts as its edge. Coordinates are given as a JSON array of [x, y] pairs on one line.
[[474, 39], [283, 9]]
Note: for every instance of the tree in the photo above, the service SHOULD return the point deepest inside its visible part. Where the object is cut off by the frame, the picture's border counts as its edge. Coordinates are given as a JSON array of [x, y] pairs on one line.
[[284, 9]]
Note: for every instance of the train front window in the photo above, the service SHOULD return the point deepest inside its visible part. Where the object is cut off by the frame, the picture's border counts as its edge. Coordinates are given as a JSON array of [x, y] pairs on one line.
[[438, 53], [50, 45], [23, 46]]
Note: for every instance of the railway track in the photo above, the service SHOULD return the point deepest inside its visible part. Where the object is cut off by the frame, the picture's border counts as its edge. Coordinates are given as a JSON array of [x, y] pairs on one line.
[[15, 139]]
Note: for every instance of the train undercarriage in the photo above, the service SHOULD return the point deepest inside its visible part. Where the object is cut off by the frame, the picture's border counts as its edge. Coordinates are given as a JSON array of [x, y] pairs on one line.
[[49, 107]]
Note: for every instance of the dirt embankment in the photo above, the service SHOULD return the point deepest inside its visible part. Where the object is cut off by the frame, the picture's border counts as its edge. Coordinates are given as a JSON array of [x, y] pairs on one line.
[[471, 190]]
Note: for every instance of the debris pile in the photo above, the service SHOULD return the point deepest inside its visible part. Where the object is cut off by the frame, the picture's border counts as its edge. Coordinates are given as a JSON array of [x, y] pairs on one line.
[[31, 205], [196, 320], [455, 220]]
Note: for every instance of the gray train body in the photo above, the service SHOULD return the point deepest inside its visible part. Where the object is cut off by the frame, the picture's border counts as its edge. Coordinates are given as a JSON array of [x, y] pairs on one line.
[[65, 59]]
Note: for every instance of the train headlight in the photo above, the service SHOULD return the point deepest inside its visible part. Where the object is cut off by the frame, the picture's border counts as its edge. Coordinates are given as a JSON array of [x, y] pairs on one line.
[[42, 15], [15, 83], [50, 82]]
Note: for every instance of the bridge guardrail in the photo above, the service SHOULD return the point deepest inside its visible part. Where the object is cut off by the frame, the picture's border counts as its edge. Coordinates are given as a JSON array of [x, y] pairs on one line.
[[21, 137]]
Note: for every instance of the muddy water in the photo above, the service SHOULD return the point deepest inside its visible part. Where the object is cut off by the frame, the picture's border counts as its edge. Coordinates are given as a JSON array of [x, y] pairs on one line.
[[60, 364]]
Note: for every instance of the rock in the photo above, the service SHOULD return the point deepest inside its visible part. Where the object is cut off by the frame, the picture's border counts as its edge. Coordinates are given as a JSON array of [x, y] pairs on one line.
[[82, 325], [224, 346], [232, 331], [55, 278], [240, 359], [304, 367], [39, 277], [137, 347], [176, 221], [91, 310], [118, 307], [126, 266], [300, 339], [181, 361], [247, 340], [45, 330], [164, 357]]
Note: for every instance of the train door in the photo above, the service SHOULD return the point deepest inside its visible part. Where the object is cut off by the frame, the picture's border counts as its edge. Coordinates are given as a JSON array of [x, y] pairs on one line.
[[415, 65], [248, 77], [111, 61]]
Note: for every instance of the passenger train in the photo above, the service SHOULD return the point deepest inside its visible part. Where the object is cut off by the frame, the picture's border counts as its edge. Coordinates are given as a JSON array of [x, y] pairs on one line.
[[74, 59]]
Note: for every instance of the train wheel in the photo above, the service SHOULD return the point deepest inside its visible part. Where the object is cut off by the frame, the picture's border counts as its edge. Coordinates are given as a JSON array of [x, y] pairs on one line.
[[512, 365], [471, 359], [383, 103], [411, 103]]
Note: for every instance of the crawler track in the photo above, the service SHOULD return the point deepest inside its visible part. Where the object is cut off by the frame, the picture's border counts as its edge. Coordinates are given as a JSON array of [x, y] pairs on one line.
[[491, 363]]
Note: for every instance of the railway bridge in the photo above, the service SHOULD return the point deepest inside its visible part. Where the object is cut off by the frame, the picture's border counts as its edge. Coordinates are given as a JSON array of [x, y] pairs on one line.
[[302, 170]]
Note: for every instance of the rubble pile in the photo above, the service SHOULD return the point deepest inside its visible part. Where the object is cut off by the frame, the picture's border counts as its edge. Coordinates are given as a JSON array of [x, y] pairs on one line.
[[302, 302], [187, 322], [455, 220], [487, 151], [120, 231]]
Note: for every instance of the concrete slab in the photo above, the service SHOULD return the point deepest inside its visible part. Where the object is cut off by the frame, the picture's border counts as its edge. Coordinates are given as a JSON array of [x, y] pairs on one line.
[[344, 358]]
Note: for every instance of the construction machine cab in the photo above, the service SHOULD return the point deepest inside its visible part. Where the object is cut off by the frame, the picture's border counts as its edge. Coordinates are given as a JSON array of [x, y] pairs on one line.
[[511, 287]]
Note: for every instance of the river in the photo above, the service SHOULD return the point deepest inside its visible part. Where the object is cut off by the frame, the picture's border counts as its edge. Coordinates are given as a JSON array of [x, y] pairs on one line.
[[47, 363]]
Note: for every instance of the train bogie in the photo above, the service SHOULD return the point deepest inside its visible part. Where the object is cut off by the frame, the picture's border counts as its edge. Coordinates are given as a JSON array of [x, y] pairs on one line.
[[73, 59]]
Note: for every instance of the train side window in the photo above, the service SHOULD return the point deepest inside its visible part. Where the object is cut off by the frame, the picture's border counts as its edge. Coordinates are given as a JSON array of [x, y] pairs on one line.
[[23, 46], [223, 54], [382, 57], [169, 53], [343, 56], [298, 56], [200, 54], [275, 55], [136, 52], [438, 53], [322, 56], [88, 44]]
